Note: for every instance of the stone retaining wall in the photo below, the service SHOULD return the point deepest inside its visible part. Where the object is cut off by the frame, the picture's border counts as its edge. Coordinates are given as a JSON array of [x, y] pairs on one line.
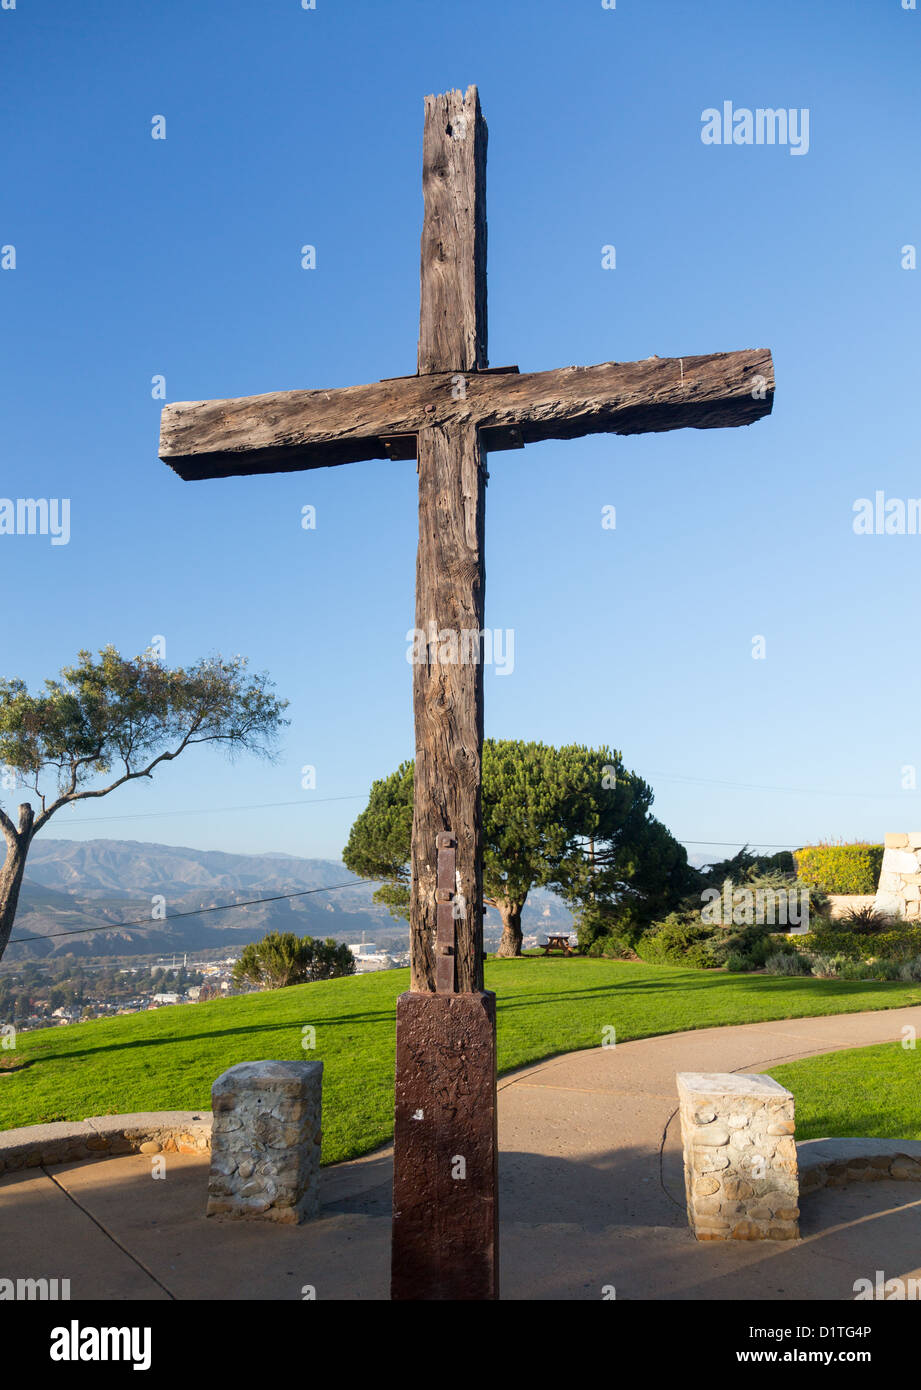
[[102, 1136], [840, 904], [837, 1162]]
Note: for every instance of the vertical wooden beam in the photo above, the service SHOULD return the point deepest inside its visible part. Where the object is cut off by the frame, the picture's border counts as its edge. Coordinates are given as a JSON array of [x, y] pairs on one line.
[[452, 323], [448, 699], [445, 1158], [450, 570]]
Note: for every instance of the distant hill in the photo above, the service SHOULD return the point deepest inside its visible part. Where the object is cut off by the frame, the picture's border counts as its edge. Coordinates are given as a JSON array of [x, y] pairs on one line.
[[75, 884]]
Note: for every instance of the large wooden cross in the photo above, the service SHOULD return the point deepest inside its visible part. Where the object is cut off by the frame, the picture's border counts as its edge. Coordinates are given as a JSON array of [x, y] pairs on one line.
[[448, 416]]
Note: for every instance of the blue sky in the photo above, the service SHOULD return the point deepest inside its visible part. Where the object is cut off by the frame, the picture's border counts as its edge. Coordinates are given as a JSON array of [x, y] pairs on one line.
[[138, 257]]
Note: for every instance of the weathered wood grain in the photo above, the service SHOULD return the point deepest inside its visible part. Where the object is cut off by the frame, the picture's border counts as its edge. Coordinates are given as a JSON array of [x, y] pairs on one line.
[[448, 697], [452, 320], [288, 430], [450, 561]]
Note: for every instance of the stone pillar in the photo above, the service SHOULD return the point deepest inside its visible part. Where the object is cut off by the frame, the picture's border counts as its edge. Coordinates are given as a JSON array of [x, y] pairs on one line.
[[265, 1142], [899, 891], [740, 1168]]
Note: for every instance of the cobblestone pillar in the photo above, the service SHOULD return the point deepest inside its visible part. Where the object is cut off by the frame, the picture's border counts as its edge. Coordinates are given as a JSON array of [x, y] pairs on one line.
[[740, 1167], [265, 1142]]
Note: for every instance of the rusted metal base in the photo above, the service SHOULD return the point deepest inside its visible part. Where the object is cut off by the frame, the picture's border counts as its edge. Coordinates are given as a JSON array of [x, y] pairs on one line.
[[445, 1170]]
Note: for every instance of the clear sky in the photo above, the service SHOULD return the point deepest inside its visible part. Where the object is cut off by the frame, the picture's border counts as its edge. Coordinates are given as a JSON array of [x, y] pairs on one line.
[[139, 257]]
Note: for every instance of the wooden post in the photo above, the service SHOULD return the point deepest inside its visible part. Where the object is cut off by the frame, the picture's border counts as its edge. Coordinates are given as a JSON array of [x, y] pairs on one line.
[[448, 700], [445, 1207], [452, 317]]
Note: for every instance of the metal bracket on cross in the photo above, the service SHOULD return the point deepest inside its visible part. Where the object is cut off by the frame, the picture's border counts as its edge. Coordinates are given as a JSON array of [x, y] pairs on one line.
[[445, 891]]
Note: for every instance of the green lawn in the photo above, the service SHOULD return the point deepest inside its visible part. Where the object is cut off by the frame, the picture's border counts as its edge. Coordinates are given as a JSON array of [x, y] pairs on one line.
[[168, 1059], [863, 1091]]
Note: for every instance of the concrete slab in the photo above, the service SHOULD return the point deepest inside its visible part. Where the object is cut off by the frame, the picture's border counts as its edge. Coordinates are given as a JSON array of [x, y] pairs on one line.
[[46, 1236], [344, 1255], [852, 1232], [591, 1193]]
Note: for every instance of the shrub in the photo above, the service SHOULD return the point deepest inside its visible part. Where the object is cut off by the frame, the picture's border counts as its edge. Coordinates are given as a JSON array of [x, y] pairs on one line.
[[881, 969], [685, 937], [901, 943], [604, 929], [911, 969], [785, 963], [755, 944], [681, 938], [610, 947], [749, 948], [866, 920], [825, 967], [827, 941], [840, 868], [855, 970], [281, 959], [769, 899]]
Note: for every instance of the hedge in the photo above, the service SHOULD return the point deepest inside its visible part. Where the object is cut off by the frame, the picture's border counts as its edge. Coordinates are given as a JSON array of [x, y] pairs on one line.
[[840, 868], [902, 944]]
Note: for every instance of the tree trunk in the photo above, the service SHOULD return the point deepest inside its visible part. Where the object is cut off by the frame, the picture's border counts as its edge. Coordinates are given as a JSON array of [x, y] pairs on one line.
[[510, 912], [11, 875]]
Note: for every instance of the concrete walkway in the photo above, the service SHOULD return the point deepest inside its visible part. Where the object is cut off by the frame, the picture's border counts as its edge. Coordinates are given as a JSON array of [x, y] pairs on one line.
[[591, 1196]]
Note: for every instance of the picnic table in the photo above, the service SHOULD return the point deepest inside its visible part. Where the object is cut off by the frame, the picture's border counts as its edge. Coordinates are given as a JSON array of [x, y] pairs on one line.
[[557, 943]]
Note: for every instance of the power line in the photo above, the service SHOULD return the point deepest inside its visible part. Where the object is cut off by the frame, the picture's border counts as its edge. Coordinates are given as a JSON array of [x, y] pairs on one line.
[[196, 912], [212, 810], [729, 844], [767, 787]]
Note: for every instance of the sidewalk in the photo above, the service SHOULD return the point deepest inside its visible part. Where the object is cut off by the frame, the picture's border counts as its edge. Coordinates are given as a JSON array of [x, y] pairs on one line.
[[591, 1196]]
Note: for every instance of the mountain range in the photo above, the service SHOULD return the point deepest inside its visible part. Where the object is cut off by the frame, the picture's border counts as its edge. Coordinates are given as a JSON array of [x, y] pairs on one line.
[[77, 893]]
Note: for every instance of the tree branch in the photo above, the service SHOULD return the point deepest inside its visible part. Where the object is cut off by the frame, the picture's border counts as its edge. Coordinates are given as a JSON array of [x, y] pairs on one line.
[[73, 795], [10, 833]]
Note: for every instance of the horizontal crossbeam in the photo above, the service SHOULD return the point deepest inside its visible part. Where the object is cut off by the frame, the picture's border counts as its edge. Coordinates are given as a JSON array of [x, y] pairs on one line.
[[284, 431]]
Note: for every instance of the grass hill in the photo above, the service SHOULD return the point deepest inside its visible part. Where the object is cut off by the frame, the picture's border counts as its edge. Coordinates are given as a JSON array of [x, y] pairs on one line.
[[168, 1059]]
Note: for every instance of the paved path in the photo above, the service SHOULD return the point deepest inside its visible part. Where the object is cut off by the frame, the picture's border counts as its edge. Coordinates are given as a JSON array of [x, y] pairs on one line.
[[591, 1195]]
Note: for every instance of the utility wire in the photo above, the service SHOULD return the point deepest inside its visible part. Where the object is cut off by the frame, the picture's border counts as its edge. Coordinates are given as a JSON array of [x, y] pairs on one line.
[[283, 897], [729, 844], [212, 810], [763, 787]]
